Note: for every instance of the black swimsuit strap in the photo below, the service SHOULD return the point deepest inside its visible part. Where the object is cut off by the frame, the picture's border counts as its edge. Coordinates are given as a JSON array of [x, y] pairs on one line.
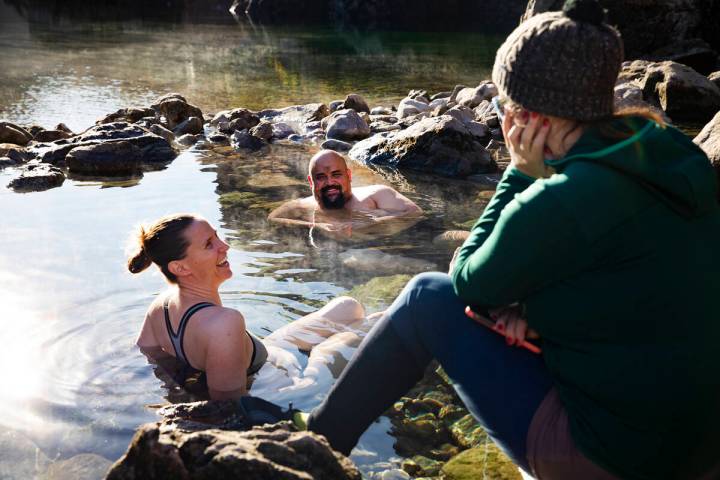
[[177, 339]]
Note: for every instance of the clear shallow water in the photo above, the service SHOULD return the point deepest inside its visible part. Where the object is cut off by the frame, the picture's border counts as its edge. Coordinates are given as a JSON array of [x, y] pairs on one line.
[[74, 381]]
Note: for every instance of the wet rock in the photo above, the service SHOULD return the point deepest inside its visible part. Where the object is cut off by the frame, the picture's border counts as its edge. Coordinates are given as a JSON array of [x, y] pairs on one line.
[[175, 109], [356, 102], [394, 474], [345, 125], [471, 97], [409, 107], [337, 145], [381, 111], [160, 451], [85, 466], [709, 140], [263, 130], [188, 140], [15, 134], [37, 177], [14, 153], [371, 260], [466, 432], [245, 141], [154, 148], [228, 121], [485, 458], [51, 135], [192, 126], [64, 128], [163, 132], [296, 138], [335, 105], [112, 158], [678, 90], [129, 115], [380, 291], [451, 239], [296, 116], [20, 458], [420, 466], [715, 78], [219, 138], [441, 145], [281, 130]]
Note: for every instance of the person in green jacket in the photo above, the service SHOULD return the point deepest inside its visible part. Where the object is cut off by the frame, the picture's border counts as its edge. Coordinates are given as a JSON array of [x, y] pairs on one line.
[[602, 240]]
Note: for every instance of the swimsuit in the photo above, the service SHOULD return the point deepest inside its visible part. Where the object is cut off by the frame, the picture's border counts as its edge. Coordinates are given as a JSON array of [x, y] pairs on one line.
[[259, 354]]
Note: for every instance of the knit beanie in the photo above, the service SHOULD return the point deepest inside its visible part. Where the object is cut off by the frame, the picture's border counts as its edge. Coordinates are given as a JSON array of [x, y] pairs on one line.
[[562, 63]]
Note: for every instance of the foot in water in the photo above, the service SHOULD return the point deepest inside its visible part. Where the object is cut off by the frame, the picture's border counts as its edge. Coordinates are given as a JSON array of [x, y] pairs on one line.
[[257, 411]]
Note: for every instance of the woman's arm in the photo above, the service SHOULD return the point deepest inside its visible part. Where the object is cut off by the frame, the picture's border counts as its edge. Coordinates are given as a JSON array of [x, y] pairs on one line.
[[229, 350], [147, 339]]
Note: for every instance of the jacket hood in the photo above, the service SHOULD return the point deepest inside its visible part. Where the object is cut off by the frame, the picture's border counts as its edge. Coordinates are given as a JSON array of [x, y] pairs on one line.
[[662, 159]]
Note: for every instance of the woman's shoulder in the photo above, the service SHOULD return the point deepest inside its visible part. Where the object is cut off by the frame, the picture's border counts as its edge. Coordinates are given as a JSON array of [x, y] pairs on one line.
[[225, 319]]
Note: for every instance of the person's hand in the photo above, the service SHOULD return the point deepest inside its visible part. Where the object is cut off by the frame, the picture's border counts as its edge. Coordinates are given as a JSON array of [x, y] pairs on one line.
[[510, 322], [453, 260], [525, 135]]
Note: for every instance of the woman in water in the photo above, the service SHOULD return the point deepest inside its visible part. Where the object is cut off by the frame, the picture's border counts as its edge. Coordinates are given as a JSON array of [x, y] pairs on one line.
[[190, 322], [605, 231]]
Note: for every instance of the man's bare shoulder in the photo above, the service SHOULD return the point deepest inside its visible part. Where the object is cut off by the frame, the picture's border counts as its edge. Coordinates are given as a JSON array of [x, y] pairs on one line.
[[369, 191], [297, 205]]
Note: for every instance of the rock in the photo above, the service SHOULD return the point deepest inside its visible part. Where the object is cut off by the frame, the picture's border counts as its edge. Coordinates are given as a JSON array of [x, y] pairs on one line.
[[345, 125], [154, 148], [245, 141], [237, 119], [371, 260], [461, 113], [451, 239], [441, 95], [335, 105], [281, 130], [163, 132], [64, 128], [381, 111], [394, 474], [105, 159], [51, 135], [296, 138], [263, 130], [129, 115], [485, 458], [7, 162], [678, 90], [485, 113], [219, 138], [408, 107], [11, 133], [709, 140], [471, 97], [454, 93], [440, 103], [693, 52], [380, 127], [175, 109], [193, 126], [467, 433], [37, 177], [159, 451], [188, 140], [420, 95], [337, 145], [21, 458], [441, 145], [296, 116], [86, 466], [356, 102], [14, 153], [715, 78]]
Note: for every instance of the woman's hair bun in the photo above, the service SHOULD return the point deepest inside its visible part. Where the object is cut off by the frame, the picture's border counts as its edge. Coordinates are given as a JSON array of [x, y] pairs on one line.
[[589, 11], [139, 262]]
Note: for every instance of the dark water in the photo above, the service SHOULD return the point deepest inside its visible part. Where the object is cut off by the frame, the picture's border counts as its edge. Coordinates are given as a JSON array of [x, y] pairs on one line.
[[74, 381]]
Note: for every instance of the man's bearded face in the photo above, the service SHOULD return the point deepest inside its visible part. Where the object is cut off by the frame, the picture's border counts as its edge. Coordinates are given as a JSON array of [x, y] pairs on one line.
[[332, 197]]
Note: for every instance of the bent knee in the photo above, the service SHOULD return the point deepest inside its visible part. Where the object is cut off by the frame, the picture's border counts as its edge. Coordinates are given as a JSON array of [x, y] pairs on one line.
[[437, 282], [347, 309]]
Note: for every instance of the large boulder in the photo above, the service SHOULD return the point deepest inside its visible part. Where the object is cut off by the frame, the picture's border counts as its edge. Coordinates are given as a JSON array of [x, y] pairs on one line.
[[175, 109], [296, 116], [649, 26], [442, 145], [356, 102], [111, 158], [410, 106], [681, 92], [345, 125], [154, 148], [15, 134], [181, 447], [709, 140], [37, 177]]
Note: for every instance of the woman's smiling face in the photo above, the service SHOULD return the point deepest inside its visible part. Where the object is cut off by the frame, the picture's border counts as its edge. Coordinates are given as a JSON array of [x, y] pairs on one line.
[[206, 256]]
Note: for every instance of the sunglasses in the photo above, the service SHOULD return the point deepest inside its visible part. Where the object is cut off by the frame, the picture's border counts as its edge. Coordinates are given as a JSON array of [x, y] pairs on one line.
[[499, 106]]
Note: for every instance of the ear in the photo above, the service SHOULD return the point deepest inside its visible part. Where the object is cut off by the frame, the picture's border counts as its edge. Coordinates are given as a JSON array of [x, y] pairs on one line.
[[178, 268], [349, 172], [309, 178]]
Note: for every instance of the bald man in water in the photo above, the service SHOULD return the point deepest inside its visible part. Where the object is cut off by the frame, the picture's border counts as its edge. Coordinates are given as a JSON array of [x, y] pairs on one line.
[[334, 201]]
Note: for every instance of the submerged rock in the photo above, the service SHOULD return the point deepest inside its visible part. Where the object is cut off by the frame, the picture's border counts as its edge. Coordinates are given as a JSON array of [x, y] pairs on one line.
[[37, 177], [21, 458], [380, 291], [370, 260], [441, 145], [15, 134], [678, 90], [164, 451], [86, 466], [111, 158]]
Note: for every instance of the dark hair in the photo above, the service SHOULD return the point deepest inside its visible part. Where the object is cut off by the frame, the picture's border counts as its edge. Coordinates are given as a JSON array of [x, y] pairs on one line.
[[612, 131], [161, 243]]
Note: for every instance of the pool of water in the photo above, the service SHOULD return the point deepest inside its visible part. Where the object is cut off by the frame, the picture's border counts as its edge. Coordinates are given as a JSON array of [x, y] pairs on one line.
[[74, 382]]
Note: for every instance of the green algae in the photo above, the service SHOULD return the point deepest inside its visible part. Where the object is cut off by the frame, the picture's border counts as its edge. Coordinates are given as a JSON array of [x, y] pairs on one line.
[[379, 292], [484, 461]]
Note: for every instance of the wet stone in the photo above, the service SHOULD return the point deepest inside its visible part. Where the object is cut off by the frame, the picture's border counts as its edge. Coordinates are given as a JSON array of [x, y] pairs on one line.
[[467, 433], [245, 141], [484, 461], [189, 139], [37, 177], [80, 467], [51, 135], [337, 145], [420, 466], [111, 158], [219, 138]]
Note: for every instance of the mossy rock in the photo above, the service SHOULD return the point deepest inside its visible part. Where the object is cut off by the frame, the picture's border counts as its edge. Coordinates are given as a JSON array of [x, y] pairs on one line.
[[466, 432], [379, 292], [485, 461], [422, 466], [239, 199]]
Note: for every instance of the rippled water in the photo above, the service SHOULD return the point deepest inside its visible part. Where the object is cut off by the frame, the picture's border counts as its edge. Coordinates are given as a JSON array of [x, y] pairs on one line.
[[74, 382]]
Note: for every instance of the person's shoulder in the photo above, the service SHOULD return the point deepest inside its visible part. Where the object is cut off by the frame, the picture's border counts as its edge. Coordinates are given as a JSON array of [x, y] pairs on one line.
[[370, 190], [223, 318]]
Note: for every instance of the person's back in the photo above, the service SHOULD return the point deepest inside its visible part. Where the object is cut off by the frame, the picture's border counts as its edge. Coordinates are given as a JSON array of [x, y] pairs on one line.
[[647, 221]]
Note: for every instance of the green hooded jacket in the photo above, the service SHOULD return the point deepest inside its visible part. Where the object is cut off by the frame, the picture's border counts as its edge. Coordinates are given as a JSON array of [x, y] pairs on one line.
[[616, 258]]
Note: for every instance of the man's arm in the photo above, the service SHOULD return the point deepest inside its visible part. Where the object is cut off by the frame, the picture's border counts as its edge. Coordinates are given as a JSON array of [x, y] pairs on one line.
[[393, 202], [290, 213]]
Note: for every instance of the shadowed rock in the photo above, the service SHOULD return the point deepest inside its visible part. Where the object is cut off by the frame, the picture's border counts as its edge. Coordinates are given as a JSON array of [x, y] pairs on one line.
[[37, 177], [130, 115], [193, 126], [709, 140], [15, 134], [51, 135], [356, 102], [112, 158], [441, 145]]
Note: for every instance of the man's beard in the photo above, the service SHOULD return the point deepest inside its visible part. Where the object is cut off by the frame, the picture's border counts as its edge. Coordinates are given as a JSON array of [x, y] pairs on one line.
[[336, 204]]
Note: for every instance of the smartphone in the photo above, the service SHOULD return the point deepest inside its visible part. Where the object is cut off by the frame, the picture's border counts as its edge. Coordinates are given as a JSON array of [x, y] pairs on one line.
[[484, 320]]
